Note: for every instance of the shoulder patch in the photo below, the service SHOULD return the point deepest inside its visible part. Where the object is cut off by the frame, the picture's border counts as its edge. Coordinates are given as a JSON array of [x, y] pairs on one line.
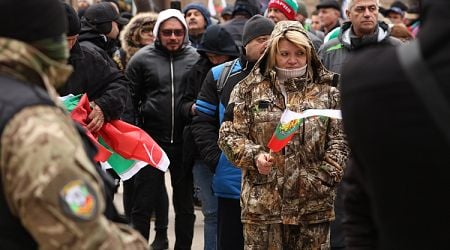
[[78, 200]]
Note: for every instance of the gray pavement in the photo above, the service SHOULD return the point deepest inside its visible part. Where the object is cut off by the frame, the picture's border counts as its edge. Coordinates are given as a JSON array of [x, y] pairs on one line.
[[197, 242]]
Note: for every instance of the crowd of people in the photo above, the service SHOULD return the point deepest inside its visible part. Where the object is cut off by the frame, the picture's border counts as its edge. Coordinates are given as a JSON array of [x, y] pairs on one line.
[[211, 91]]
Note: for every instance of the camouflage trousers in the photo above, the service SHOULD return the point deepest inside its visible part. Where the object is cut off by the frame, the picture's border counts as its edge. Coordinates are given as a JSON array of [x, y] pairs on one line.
[[287, 237]]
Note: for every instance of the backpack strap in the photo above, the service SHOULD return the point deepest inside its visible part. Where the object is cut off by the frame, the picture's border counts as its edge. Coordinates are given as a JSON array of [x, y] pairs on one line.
[[425, 85], [228, 66]]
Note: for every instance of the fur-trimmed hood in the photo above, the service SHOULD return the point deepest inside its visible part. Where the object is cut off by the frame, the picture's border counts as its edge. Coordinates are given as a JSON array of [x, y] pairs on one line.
[[129, 38]]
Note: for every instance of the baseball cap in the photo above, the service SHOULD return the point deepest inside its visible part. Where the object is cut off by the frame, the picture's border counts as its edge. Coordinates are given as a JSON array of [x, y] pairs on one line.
[[103, 12]]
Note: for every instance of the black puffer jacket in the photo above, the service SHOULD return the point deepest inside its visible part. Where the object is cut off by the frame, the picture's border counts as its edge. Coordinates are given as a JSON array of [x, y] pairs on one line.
[[157, 87], [105, 85]]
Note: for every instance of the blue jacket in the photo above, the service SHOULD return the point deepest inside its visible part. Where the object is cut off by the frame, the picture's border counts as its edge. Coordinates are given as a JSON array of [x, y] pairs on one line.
[[210, 107]]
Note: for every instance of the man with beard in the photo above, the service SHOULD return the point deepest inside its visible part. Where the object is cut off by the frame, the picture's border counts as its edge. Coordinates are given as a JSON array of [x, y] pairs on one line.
[[155, 73]]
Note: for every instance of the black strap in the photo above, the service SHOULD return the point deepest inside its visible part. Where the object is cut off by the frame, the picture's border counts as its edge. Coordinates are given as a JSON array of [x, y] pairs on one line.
[[224, 75], [425, 85]]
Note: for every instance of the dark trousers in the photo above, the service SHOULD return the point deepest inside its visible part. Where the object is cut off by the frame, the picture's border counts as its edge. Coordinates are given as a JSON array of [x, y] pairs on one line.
[[148, 186], [229, 226], [161, 207]]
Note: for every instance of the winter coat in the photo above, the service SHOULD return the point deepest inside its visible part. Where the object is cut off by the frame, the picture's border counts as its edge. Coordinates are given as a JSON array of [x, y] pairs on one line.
[[335, 53], [301, 185], [98, 42], [215, 40], [205, 127], [394, 193], [105, 85], [156, 81], [130, 37]]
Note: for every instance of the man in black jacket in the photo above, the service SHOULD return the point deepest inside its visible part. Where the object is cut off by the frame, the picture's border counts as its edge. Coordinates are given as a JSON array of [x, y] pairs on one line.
[[105, 85], [217, 46], [100, 29], [395, 193], [155, 73], [361, 31]]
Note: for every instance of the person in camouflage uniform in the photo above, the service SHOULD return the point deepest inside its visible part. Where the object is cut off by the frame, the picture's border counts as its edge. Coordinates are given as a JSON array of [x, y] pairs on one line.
[[287, 197], [51, 196]]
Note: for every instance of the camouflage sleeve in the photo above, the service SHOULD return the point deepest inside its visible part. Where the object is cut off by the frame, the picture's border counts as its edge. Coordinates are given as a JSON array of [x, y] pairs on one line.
[[52, 187], [336, 148], [234, 134]]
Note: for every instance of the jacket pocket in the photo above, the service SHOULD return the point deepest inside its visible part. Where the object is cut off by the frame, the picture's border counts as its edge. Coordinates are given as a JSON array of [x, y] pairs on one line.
[[262, 196]]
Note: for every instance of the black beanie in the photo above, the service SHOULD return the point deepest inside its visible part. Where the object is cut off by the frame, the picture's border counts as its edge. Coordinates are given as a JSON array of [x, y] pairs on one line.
[[218, 41], [256, 26], [32, 20], [73, 22]]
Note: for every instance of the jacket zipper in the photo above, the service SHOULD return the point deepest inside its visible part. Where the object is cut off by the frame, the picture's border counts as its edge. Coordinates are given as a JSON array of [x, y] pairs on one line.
[[173, 99]]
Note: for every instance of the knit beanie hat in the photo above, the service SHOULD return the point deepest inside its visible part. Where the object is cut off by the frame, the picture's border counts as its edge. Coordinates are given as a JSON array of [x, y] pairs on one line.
[[256, 26], [288, 7], [202, 9], [73, 22], [249, 7], [218, 41], [302, 9], [32, 20]]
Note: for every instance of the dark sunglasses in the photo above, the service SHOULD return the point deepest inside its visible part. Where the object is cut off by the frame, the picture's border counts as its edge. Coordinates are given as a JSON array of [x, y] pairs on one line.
[[168, 33]]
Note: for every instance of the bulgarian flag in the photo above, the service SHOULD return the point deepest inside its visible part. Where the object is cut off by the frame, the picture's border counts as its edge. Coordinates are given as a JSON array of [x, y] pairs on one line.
[[122, 146], [290, 122]]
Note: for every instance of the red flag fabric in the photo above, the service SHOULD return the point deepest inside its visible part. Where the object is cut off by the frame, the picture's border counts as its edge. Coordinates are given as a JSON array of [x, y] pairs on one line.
[[80, 114], [132, 142], [127, 140]]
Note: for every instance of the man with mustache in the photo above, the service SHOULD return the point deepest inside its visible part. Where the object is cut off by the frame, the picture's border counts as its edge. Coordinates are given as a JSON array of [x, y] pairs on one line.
[[155, 73], [198, 19]]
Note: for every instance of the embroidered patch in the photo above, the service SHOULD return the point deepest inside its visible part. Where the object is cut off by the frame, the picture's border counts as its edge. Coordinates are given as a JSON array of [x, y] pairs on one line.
[[79, 200]]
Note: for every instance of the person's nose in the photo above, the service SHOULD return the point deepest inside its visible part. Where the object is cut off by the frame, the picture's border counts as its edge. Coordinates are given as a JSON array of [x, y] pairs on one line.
[[292, 60]]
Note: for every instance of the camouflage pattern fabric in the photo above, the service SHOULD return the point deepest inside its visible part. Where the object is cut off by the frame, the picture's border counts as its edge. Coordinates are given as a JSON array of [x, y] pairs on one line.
[[300, 188], [48, 180], [292, 237]]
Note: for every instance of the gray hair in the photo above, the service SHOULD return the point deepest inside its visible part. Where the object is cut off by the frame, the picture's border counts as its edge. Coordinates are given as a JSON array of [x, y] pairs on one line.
[[350, 4]]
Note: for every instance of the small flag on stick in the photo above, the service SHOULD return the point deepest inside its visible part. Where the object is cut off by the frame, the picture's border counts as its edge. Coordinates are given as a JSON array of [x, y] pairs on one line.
[[289, 123]]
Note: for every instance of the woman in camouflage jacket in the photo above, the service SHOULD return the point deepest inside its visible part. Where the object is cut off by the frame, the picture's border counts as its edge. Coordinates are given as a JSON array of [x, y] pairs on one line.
[[287, 197]]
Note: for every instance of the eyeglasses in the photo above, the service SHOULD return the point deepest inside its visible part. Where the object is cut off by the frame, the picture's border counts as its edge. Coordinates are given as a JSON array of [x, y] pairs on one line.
[[168, 33]]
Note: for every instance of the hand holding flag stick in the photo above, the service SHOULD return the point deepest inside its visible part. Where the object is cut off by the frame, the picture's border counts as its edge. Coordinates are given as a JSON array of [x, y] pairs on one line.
[[264, 163]]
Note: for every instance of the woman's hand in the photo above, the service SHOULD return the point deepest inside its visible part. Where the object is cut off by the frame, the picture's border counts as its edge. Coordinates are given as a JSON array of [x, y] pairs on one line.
[[264, 162]]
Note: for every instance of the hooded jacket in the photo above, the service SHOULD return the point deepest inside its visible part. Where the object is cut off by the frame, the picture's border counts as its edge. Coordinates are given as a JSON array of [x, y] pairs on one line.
[[129, 37], [105, 85], [156, 81], [335, 53], [195, 40], [92, 39], [215, 40], [301, 185]]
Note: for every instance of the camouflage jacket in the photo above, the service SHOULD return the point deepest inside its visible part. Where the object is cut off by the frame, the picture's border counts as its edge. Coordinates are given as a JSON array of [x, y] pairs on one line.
[[49, 182], [301, 185]]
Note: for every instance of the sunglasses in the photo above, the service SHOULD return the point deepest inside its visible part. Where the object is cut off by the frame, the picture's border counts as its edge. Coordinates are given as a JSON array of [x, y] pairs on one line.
[[168, 33]]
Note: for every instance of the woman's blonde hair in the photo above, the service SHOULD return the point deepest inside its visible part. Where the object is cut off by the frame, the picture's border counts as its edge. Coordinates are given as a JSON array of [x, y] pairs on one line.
[[298, 39]]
